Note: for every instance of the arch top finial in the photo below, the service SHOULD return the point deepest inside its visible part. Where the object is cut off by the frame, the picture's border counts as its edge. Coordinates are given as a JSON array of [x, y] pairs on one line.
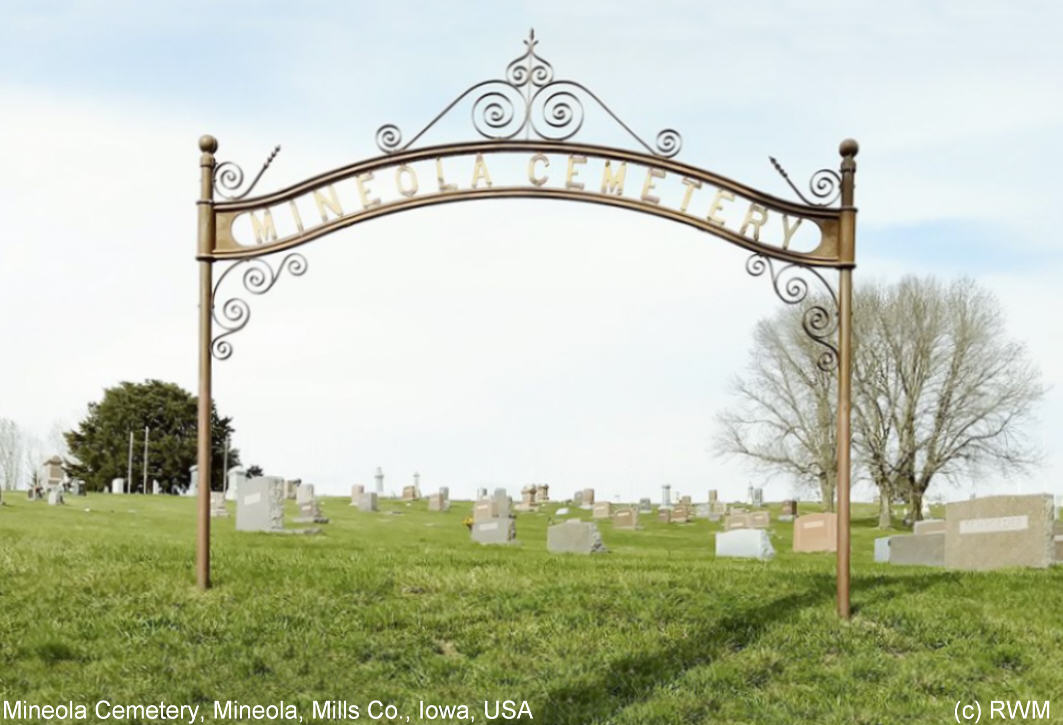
[[208, 144], [849, 148]]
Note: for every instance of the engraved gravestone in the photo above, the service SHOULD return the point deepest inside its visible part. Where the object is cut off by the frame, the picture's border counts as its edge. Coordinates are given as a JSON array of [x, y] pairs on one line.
[[217, 505], [574, 537], [745, 544], [368, 501], [438, 502], [626, 519], [929, 526], [495, 531], [736, 521], [1000, 531], [602, 510], [309, 509], [816, 532], [356, 493], [117, 485], [237, 478], [645, 506], [260, 506], [917, 549]]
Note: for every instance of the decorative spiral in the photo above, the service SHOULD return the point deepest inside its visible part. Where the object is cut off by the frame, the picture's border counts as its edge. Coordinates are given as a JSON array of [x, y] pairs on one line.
[[668, 143], [388, 137], [561, 112], [529, 67], [258, 278], [789, 285], [495, 114], [825, 185], [228, 176], [756, 265]]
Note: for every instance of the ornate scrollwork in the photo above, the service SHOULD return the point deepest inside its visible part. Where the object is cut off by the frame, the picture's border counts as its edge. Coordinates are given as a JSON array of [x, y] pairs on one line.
[[258, 279], [818, 322], [825, 185], [528, 99], [229, 176]]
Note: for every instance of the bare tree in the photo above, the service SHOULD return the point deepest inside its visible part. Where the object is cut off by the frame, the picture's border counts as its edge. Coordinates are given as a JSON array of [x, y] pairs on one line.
[[938, 391], [11, 452]]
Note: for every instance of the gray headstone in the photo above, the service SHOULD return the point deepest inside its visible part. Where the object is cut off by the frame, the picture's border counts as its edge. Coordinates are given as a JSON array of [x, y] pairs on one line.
[[882, 549], [309, 510], [645, 506], [574, 537], [356, 491], [367, 501], [502, 503], [260, 506], [156, 489], [495, 531], [237, 478], [436, 502], [929, 526], [444, 491], [193, 479], [917, 550], [745, 544], [218, 509], [55, 497], [1000, 531]]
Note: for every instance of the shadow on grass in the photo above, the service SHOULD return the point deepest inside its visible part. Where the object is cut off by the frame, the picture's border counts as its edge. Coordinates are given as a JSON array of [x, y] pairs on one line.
[[630, 679]]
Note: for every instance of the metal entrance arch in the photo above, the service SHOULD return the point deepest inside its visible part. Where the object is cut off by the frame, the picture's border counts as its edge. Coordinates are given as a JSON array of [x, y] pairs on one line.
[[526, 121]]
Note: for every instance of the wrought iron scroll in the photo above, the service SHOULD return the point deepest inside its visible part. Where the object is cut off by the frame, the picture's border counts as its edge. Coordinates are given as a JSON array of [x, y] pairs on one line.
[[528, 100], [818, 322], [258, 278], [228, 176], [825, 185]]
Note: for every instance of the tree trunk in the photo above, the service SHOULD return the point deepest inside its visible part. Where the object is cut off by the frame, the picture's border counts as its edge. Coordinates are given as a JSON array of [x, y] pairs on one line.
[[885, 508], [826, 491], [915, 504]]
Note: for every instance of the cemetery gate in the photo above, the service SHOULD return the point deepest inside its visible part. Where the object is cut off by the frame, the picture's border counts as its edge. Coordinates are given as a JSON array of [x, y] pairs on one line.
[[525, 122]]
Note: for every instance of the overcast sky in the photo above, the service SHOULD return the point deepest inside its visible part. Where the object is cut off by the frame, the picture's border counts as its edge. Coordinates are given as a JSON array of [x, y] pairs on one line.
[[506, 342]]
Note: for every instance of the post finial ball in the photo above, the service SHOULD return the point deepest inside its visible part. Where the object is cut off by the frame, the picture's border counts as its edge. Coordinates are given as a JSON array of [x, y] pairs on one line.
[[208, 144], [849, 147]]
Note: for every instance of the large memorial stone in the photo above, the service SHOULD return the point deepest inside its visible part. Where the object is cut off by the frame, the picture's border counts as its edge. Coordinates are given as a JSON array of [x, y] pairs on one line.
[[602, 510], [929, 526], [745, 543], [816, 532], [260, 506], [645, 506], [626, 519], [917, 549], [495, 531], [1000, 531], [368, 501], [574, 537], [686, 501], [218, 509], [882, 549], [356, 493]]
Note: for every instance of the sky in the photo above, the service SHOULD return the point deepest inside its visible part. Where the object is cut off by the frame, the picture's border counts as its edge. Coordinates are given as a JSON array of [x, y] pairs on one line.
[[504, 343]]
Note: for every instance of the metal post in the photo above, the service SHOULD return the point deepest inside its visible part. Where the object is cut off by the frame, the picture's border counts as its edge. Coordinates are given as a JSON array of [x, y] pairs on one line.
[[207, 145], [847, 252], [147, 432], [128, 484]]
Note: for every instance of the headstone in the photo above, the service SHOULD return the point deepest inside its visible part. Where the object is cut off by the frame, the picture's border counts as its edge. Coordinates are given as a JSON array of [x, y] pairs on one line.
[[626, 519], [758, 497], [260, 506], [759, 520], [737, 510], [717, 510], [495, 531], [645, 506], [682, 514], [685, 501], [78, 487], [237, 478], [882, 549], [368, 501], [290, 487], [544, 493], [481, 493], [379, 478], [664, 515], [917, 549], [156, 489], [52, 473], [356, 493], [34, 492], [745, 544], [713, 495], [309, 510], [816, 532], [410, 493], [929, 526], [788, 511], [117, 485], [503, 503], [218, 509], [193, 479], [602, 510], [527, 499], [485, 510], [1000, 531], [55, 497], [444, 491], [736, 521], [587, 499], [577, 498], [436, 502], [574, 537], [666, 496]]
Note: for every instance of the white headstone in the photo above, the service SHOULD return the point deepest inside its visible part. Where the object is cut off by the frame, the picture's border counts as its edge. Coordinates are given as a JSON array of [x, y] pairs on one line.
[[744, 543], [237, 478], [117, 485]]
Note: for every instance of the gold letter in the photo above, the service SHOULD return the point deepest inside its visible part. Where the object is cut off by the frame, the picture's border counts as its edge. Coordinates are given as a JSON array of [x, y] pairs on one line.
[[404, 169], [647, 186], [332, 203], [265, 232], [443, 185], [537, 180], [690, 184], [755, 223], [614, 183], [717, 205], [363, 192], [479, 171], [295, 213], [788, 231], [572, 171]]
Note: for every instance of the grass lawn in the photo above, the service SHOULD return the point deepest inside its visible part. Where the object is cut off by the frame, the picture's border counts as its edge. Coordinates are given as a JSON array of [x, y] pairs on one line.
[[100, 604]]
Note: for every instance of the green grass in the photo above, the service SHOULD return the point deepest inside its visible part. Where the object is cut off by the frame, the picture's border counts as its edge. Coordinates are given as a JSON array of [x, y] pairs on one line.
[[401, 608]]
